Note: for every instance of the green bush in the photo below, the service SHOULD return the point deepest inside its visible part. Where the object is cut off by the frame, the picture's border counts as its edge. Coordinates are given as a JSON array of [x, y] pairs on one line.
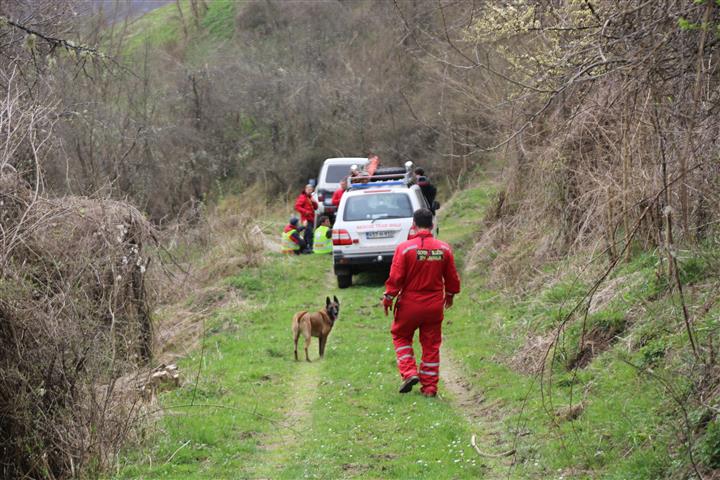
[[710, 446], [692, 270], [652, 352]]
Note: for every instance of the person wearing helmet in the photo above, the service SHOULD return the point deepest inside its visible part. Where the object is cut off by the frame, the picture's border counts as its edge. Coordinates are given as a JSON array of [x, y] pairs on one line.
[[292, 242]]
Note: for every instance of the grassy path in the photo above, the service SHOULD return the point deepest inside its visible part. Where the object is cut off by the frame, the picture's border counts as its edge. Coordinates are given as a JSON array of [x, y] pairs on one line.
[[256, 413], [279, 444]]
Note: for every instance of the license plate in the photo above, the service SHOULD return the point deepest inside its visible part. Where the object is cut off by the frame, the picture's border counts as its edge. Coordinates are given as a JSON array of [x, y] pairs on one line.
[[381, 234]]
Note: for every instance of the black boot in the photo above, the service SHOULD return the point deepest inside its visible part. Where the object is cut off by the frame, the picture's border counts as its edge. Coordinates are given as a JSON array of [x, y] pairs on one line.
[[408, 383]]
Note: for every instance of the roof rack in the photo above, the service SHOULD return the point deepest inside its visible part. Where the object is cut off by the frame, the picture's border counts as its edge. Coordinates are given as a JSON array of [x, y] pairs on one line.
[[377, 184], [363, 180]]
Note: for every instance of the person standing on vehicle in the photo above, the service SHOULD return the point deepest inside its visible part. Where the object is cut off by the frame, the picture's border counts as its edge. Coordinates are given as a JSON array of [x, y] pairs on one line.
[[424, 279], [292, 243], [306, 206], [322, 241], [428, 189]]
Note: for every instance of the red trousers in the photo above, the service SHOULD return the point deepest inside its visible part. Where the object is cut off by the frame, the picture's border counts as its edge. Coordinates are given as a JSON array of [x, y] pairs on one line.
[[423, 311]]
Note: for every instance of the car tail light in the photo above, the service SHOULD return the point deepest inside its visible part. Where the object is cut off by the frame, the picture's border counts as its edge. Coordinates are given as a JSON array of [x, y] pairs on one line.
[[412, 232], [341, 237]]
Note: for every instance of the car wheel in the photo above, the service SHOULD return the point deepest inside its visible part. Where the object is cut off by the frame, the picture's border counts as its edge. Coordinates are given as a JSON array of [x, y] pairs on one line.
[[344, 280]]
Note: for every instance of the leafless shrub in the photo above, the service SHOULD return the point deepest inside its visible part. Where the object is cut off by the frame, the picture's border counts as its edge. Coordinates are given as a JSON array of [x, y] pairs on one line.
[[74, 313]]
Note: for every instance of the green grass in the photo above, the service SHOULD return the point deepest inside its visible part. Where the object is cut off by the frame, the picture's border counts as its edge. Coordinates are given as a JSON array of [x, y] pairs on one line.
[[157, 28], [163, 27], [356, 424], [219, 21], [256, 413]]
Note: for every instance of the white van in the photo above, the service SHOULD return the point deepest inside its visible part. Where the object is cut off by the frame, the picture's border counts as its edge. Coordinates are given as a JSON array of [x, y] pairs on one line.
[[332, 171], [372, 219]]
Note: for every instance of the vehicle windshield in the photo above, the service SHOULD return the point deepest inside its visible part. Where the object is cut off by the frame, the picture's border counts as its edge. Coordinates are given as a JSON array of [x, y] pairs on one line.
[[377, 206], [335, 173]]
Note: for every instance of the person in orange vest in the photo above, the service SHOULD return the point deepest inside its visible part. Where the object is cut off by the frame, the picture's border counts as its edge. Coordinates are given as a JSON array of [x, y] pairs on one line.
[[424, 279], [306, 206]]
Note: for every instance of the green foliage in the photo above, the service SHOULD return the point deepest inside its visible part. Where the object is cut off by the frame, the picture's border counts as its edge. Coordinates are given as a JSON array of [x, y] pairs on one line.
[[692, 269], [710, 446], [687, 25], [157, 28], [652, 352], [219, 20]]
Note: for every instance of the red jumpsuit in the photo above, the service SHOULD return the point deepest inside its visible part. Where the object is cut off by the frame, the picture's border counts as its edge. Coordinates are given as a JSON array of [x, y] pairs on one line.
[[337, 196], [422, 272]]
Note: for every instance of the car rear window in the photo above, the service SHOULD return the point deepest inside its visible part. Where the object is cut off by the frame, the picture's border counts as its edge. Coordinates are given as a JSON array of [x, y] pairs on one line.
[[335, 173], [374, 206]]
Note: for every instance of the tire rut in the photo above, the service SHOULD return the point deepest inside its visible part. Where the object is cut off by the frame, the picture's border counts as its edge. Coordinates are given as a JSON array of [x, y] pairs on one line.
[[479, 413], [297, 418]]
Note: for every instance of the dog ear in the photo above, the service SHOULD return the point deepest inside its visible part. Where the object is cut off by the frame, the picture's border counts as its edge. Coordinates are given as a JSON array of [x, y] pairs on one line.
[[336, 300], [327, 301]]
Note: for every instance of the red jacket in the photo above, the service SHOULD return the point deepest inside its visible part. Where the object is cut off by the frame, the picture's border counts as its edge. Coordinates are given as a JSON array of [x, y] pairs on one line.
[[337, 195], [295, 237], [306, 206], [423, 265]]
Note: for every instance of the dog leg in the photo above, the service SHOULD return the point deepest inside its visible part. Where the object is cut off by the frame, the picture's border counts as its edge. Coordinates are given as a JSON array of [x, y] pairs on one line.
[[307, 345], [322, 341], [296, 335], [306, 328]]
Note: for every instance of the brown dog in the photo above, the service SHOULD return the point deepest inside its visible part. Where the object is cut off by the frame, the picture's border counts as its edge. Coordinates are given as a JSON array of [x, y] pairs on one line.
[[315, 324]]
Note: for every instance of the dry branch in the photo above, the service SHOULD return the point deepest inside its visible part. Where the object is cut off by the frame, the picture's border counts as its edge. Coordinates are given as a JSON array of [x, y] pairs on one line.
[[473, 442]]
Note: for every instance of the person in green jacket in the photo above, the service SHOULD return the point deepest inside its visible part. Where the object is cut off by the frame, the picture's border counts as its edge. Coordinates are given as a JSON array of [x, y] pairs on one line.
[[322, 243]]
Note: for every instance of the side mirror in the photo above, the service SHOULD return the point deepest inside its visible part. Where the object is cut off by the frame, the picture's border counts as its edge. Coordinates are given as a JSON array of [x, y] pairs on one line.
[[435, 205]]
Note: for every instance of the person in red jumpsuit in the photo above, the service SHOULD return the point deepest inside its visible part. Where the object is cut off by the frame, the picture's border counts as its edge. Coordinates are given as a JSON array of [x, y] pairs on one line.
[[424, 279], [337, 195], [306, 206]]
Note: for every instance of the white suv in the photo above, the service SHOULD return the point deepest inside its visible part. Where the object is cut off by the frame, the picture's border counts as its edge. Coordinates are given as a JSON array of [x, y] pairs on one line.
[[332, 171], [372, 219]]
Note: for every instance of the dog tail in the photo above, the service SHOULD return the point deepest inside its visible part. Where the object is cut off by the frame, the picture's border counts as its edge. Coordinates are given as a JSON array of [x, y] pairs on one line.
[[298, 317]]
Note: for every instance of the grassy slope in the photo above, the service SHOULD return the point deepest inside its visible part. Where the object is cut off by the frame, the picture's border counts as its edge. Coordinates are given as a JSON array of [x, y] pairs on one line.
[[630, 425], [163, 27]]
